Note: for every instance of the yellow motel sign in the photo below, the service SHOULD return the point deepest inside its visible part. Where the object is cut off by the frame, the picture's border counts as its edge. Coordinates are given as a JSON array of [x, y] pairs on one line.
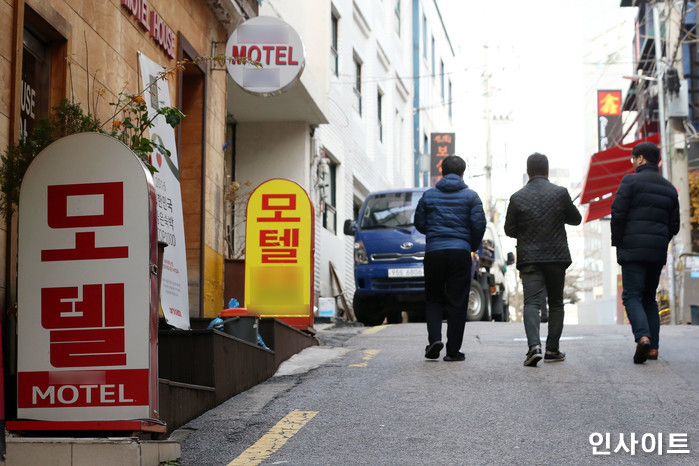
[[279, 249]]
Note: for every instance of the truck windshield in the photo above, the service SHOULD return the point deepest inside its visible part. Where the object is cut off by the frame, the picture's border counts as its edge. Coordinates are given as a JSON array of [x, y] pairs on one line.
[[392, 210]]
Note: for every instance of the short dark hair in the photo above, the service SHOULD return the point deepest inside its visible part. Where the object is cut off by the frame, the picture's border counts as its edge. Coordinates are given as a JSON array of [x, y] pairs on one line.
[[648, 150], [453, 164], [537, 165]]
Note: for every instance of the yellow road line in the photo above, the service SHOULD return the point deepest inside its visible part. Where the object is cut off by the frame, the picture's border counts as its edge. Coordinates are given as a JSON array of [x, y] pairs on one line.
[[275, 438], [378, 328], [369, 355]]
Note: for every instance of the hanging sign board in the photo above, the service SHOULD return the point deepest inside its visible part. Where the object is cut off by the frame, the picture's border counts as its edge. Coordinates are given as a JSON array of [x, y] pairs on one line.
[[609, 124], [279, 253], [441, 146], [174, 291], [87, 309], [275, 45]]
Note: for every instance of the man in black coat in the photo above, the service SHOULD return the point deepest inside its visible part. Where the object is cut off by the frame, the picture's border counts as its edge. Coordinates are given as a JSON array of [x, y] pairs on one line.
[[536, 217], [645, 217]]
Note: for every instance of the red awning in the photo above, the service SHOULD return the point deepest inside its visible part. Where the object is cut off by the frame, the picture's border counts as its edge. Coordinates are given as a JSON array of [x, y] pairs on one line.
[[604, 174]]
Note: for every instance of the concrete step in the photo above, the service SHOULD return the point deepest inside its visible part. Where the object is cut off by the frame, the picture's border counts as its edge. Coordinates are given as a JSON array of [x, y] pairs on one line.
[[23, 451]]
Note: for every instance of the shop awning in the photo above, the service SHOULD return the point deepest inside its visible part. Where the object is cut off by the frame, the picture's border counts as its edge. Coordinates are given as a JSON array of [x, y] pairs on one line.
[[604, 174]]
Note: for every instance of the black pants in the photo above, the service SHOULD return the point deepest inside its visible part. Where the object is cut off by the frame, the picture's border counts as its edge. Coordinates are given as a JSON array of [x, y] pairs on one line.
[[447, 284], [539, 279], [640, 281]]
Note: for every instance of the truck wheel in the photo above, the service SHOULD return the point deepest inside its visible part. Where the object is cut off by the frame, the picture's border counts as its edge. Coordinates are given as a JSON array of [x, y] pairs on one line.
[[368, 311], [476, 302]]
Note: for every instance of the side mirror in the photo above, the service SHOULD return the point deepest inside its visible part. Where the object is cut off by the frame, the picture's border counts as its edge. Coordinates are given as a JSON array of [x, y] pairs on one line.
[[510, 258], [350, 227]]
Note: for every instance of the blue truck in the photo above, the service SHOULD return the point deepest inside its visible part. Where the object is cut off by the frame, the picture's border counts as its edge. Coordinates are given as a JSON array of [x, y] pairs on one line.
[[388, 264]]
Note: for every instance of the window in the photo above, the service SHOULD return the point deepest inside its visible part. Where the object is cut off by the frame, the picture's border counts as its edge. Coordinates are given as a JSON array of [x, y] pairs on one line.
[[333, 45], [433, 57], [425, 160], [328, 183], [379, 109], [450, 98], [44, 68], [396, 11], [36, 71], [441, 77], [397, 131], [358, 85], [424, 36]]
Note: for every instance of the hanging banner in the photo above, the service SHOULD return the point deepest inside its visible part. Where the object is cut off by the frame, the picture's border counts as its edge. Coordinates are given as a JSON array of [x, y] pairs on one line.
[[442, 145], [174, 291], [87, 333], [279, 253], [609, 122]]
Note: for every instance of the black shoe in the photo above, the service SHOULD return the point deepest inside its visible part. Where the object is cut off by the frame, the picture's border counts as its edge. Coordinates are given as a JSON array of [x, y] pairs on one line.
[[642, 350], [554, 356], [432, 350], [456, 357], [533, 356]]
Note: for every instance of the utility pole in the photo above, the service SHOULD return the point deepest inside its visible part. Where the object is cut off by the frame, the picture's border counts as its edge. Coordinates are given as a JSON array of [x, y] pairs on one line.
[[488, 155], [659, 73]]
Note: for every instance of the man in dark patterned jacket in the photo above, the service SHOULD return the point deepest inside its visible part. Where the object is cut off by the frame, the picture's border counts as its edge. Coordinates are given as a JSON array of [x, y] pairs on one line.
[[451, 217], [645, 216], [536, 217]]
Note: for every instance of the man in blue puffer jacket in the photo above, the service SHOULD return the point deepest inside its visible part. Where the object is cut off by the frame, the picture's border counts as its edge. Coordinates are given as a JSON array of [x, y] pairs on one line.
[[645, 217], [451, 217]]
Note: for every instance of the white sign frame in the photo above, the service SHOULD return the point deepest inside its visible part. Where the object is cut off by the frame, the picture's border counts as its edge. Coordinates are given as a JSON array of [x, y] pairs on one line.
[[66, 251], [276, 46]]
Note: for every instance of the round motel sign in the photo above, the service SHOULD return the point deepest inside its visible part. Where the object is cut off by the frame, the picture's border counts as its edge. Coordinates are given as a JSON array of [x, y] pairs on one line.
[[272, 43]]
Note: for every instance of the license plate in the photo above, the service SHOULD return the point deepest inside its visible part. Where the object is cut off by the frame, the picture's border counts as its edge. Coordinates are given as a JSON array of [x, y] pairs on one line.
[[410, 272]]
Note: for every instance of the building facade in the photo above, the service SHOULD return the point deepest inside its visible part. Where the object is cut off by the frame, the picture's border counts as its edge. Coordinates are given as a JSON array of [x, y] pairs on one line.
[[88, 52]]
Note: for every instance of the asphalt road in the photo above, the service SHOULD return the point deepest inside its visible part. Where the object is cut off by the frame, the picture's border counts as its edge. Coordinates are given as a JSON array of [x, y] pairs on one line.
[[372, 398]]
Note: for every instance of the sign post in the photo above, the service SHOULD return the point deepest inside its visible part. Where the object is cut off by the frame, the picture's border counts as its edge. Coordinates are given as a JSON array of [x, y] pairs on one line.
[[279, 248], [87, 297]]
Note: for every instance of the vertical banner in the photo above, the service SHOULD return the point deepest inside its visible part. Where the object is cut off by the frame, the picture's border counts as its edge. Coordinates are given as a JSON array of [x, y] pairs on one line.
[[609, 122], [442, 145], [87, 308], [279, 247], [174, 292]]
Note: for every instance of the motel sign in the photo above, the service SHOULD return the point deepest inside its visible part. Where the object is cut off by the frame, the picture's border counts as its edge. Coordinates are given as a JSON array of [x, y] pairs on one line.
[[87, 298]]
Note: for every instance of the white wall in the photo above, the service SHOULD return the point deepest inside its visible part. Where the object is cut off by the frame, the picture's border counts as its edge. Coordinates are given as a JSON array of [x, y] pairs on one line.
[[433, 108], [366, 162]]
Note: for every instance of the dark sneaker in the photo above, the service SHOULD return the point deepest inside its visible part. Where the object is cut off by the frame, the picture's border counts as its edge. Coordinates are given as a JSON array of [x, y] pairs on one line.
[[533, 357], [653, 354], [554, 356], [642, 350], [432, 350], [455, 357]]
